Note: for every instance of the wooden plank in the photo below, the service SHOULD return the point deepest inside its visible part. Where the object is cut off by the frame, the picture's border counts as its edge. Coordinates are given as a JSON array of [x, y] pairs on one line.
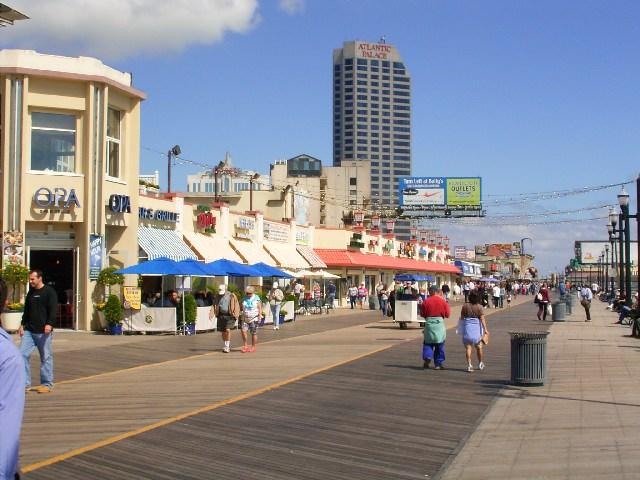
[[379, 417]]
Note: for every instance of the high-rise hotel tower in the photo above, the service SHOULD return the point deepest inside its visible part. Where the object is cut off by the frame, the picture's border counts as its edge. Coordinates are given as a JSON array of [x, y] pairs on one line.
[[372, 117]]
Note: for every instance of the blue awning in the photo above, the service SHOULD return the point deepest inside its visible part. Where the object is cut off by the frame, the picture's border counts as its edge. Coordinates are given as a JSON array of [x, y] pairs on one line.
[[156, 243]]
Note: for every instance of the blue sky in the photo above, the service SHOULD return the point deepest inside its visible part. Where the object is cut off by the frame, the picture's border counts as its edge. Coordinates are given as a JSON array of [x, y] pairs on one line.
[[531, 96]]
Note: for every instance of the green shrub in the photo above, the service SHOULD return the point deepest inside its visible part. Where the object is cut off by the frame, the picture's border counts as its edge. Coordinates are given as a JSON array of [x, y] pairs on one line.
[[108, 278], [190, 309], [16, 275], [113, 310]]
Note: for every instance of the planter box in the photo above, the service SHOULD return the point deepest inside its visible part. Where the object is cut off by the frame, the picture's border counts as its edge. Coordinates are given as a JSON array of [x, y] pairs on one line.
[[11, 321]]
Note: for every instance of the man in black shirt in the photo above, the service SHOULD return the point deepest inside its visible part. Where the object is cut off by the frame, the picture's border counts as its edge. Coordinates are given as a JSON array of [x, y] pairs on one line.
[[37, 329]]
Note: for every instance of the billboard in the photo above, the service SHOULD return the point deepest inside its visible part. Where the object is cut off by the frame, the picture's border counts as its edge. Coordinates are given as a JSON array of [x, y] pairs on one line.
[[589, 251], [421, 191], [451, 195], [460, 253], [463, 191]]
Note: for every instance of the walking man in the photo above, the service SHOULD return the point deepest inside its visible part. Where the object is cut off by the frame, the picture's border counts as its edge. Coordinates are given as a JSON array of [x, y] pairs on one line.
[[586, 295], [251, 314], [275, 301], [445, 291], [466, 288], [226, 309], [434, 310], [331, 294], [353, 295], [36, 330]]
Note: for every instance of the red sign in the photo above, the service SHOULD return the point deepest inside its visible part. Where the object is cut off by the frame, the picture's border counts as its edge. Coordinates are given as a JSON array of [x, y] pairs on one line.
[[374, 50], [206, 220]]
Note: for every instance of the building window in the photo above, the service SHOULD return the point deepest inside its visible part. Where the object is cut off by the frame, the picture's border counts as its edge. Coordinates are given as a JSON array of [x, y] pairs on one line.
[[353, 181], [53, 142], [112, 162]]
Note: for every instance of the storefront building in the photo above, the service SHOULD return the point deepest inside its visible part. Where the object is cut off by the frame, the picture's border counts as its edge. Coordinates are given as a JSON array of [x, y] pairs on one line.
[[69, 149]]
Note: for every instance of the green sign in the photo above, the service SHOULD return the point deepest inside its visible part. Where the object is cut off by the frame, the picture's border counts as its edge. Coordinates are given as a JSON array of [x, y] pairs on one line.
[[463, 191]]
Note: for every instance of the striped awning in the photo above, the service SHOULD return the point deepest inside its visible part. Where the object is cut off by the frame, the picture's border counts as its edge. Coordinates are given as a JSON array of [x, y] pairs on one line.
[[156, 242], [252, 253], [311, 256], [211, 247], [286, 255]]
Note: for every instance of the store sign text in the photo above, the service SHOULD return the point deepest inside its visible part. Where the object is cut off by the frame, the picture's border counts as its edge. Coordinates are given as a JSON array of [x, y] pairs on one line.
[[206, 220], [159, 215], [374, 50], [57, 198], [120, 203]]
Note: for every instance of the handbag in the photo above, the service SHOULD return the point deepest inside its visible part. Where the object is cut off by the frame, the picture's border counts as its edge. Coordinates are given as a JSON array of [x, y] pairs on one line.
[[485, 338]]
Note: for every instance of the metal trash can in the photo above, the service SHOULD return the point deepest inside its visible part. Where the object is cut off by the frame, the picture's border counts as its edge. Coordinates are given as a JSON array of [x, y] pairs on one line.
[[558, 310], [373, 302], [567, 306], [528, 358]]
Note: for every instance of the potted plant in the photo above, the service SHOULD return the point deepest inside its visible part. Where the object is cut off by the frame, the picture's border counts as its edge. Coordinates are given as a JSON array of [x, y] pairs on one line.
[[190, 309], [114, 314], [108, 278], [15, 275]]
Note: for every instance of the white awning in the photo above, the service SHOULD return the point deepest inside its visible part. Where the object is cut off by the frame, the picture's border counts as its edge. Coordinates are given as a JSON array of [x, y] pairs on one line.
[[211, 247], [286, 255], [157, 242], [252, 253], [311, 256]]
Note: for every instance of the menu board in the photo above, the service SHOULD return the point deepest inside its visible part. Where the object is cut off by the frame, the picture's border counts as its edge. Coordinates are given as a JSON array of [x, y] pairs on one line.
[[13, 247]]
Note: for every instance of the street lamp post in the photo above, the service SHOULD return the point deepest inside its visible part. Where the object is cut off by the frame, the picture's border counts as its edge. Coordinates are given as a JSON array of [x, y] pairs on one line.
[[618, 254], [252, 179], [173, 152], [623, 200], [216, 171], [606, 262], [522, 255]]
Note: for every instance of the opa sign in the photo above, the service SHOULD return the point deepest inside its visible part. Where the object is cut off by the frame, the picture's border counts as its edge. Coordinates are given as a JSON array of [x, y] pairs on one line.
[[120, 203], [56, 198]]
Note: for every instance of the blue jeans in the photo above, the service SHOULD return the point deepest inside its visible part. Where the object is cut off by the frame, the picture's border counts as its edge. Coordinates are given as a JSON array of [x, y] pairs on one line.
[[275, 314], [330, 299], [383, 307], [435, 352], [42, 342], [352, 300]]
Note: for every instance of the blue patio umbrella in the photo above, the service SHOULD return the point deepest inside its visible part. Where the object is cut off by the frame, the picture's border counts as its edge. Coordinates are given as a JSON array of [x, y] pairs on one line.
[[269, 271], [224, 267], [192, 268], [159, 266]]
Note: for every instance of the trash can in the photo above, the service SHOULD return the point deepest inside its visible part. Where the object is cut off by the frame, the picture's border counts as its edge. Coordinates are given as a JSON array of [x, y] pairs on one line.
[[567, 306], [558, 310], [574, 299], [373, 302], [528, 358]]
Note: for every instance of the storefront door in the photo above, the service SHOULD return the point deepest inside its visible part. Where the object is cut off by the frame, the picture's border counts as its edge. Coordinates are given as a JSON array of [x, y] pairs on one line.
[[59, 270]]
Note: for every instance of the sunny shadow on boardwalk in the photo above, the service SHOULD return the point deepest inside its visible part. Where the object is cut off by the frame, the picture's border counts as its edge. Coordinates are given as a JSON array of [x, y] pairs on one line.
[[378, 417]]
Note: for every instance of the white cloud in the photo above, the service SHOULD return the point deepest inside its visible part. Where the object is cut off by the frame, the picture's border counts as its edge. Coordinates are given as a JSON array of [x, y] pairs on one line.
[[292, 7], [123, 28]]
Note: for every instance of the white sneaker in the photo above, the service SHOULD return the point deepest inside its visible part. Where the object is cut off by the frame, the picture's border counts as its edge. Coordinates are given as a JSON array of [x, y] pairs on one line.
[[226, 350], [469, 368], [481, 366]]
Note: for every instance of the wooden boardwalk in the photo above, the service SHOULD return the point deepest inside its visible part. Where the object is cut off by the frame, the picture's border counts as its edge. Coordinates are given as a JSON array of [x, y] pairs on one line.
[[349, 403]]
